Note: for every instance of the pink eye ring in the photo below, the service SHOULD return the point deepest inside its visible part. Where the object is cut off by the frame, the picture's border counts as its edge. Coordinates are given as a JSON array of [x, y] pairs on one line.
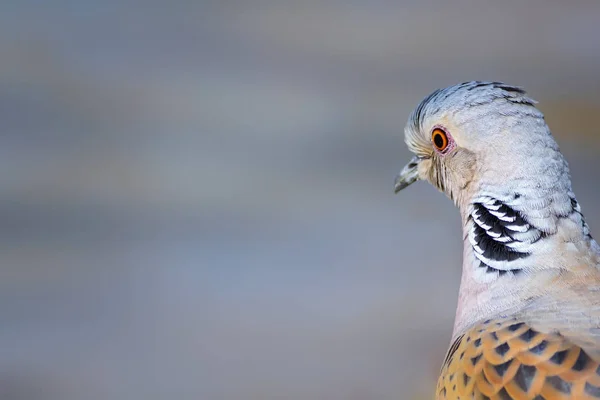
[[441, 140]]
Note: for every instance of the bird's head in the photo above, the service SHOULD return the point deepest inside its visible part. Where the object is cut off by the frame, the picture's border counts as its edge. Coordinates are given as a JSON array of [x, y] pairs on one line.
[[482, 137]]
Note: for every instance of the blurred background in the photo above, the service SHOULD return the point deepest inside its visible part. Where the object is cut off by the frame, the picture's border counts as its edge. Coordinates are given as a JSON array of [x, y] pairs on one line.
[[196, 197]]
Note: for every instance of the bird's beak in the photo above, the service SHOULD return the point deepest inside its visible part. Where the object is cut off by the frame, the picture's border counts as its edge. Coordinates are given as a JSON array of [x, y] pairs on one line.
[[408, 175]]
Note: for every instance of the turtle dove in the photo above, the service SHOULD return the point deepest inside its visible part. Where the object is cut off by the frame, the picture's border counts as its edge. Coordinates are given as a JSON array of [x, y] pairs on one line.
[[527, 323]]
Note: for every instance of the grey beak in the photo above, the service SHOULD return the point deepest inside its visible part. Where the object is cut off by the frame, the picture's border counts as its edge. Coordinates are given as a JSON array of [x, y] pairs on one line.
[[408, 175]]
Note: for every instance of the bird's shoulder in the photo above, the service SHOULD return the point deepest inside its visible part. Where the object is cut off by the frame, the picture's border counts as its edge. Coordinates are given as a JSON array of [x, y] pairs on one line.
[[509, 359]]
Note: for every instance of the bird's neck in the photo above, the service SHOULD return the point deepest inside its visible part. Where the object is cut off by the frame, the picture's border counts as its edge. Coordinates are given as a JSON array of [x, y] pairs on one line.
[[512, 245]]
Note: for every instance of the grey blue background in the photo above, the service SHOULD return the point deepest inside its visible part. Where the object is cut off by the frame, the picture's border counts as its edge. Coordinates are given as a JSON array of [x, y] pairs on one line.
[[196, 197]]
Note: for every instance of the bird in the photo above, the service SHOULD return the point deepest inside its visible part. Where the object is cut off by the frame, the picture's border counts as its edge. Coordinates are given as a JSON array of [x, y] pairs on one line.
[[527, 323]]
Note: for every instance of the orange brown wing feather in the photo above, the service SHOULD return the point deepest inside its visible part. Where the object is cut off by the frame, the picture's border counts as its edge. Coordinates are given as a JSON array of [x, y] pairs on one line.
[[508, 360]]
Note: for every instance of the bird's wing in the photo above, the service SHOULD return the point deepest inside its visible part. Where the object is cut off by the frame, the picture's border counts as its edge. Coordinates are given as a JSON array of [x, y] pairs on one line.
[[507, 359]]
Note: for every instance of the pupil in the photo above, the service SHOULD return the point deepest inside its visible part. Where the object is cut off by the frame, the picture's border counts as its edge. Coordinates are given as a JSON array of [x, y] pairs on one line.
[[438, 140]]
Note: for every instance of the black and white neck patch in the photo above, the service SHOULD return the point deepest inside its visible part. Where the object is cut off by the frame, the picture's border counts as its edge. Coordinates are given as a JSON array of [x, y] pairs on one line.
[[502, 237], [499, 235]]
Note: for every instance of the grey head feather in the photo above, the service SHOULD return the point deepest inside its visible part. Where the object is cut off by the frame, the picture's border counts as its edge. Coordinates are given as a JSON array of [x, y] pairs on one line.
[[470, 96], [467, 94]]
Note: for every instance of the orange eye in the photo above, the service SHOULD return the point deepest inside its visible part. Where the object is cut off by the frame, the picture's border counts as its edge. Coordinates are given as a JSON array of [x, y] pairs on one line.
[[439, 138]]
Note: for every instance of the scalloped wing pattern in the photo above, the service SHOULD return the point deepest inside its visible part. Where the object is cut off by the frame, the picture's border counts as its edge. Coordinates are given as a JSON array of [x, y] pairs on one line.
[[508, 360]]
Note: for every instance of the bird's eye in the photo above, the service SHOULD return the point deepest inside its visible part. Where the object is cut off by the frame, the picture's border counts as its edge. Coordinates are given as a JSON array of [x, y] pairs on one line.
[[439, 138]]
